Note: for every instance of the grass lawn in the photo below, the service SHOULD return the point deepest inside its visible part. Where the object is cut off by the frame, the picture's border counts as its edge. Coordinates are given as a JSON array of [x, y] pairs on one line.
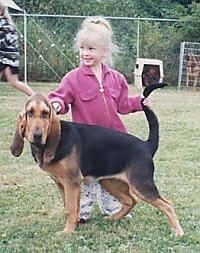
[[31, 210]]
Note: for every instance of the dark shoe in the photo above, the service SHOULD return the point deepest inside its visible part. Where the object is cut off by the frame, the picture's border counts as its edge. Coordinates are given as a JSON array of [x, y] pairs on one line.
[[82, 221]]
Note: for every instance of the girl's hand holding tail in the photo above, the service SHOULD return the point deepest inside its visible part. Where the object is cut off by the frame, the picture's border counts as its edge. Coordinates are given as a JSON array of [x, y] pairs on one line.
[[56, 106]]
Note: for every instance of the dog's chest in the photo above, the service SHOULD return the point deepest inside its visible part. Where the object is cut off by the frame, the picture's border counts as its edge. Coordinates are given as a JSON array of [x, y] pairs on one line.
[[37, 153]]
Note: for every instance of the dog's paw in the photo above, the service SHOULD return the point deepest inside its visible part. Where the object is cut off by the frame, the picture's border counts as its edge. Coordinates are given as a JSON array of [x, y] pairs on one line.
[[179, 232], [59, 233], [69, 228], [64, 232]]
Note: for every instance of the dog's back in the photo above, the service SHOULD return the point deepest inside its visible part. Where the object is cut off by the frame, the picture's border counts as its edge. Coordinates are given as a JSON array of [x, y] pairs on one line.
[[101, 150]]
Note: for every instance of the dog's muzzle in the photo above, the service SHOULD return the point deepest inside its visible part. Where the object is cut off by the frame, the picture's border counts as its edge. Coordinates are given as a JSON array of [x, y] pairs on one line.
[[37, 137]]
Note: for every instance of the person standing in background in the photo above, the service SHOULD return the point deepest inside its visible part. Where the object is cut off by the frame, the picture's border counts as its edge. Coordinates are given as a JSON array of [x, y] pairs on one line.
[[9, 52]]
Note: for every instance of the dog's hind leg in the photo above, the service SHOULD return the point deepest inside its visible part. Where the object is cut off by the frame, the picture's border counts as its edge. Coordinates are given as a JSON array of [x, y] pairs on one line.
[[167, 208], [149, 193], [120, 190]]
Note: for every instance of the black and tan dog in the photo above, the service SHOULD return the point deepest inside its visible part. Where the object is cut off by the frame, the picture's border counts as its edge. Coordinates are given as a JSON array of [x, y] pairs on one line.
[[71, 151]]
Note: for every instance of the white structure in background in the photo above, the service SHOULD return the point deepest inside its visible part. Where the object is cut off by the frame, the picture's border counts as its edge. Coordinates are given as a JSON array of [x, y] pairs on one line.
[[147, 71], [189, 65]]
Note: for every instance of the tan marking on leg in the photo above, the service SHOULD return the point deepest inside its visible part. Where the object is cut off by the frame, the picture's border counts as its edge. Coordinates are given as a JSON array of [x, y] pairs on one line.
[[120, 190], [67, 176], [72, 200], [167, 208]]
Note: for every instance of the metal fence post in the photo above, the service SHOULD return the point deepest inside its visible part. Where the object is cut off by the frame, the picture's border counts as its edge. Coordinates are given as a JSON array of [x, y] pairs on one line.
[[138, 37], [25, 47]]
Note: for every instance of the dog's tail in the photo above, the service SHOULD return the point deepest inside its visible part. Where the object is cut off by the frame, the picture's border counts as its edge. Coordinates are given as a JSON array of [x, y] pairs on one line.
[[153, 139]]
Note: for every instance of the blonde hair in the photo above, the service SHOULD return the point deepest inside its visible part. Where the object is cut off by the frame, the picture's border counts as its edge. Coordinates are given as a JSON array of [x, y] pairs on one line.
[[5, 12], [97, 31]]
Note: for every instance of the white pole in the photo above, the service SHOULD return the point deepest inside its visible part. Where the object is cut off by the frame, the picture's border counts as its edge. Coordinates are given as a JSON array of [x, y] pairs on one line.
[[181, 64], [138, 37], [25, 47]]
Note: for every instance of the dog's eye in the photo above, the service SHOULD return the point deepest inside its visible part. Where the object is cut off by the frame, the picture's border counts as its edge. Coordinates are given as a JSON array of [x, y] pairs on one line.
[[29, 114], [45, 114]]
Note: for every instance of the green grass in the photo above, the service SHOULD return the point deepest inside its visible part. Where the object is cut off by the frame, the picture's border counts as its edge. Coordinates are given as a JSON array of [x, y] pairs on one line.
[[31, 210]]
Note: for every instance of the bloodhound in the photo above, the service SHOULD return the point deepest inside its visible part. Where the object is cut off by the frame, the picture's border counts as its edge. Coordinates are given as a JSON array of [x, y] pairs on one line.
[[71, 152]]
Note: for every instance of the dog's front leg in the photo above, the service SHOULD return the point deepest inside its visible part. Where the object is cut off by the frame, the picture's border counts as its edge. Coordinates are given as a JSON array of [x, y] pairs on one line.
[[72, 204]]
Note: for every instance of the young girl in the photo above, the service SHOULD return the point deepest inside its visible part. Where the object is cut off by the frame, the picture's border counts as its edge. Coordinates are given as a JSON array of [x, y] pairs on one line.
[[97, 95], [9, 51]]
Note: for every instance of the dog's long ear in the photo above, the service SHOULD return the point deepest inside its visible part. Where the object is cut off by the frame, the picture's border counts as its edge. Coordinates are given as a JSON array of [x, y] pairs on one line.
[[18, 139], [53, 138]]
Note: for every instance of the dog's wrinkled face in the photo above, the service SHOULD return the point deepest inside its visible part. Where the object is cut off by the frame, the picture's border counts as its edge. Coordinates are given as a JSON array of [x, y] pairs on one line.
[[38, 115], [39, 124]]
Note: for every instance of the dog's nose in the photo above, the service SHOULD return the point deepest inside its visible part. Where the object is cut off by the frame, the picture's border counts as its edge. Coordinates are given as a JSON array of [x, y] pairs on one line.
[[37, 136]]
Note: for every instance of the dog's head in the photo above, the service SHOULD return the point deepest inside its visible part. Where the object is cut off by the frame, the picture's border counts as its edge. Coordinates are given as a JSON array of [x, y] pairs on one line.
[[39, 124]]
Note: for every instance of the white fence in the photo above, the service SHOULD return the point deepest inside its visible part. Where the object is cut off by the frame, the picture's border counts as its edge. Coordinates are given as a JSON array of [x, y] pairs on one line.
[[38, 55]]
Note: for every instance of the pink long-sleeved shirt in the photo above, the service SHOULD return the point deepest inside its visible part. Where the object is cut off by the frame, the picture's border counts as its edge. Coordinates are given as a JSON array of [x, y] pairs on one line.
[[95, 103]]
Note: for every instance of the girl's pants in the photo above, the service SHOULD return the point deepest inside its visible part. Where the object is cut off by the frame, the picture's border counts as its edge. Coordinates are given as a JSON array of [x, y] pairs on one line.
[[92, 193]]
